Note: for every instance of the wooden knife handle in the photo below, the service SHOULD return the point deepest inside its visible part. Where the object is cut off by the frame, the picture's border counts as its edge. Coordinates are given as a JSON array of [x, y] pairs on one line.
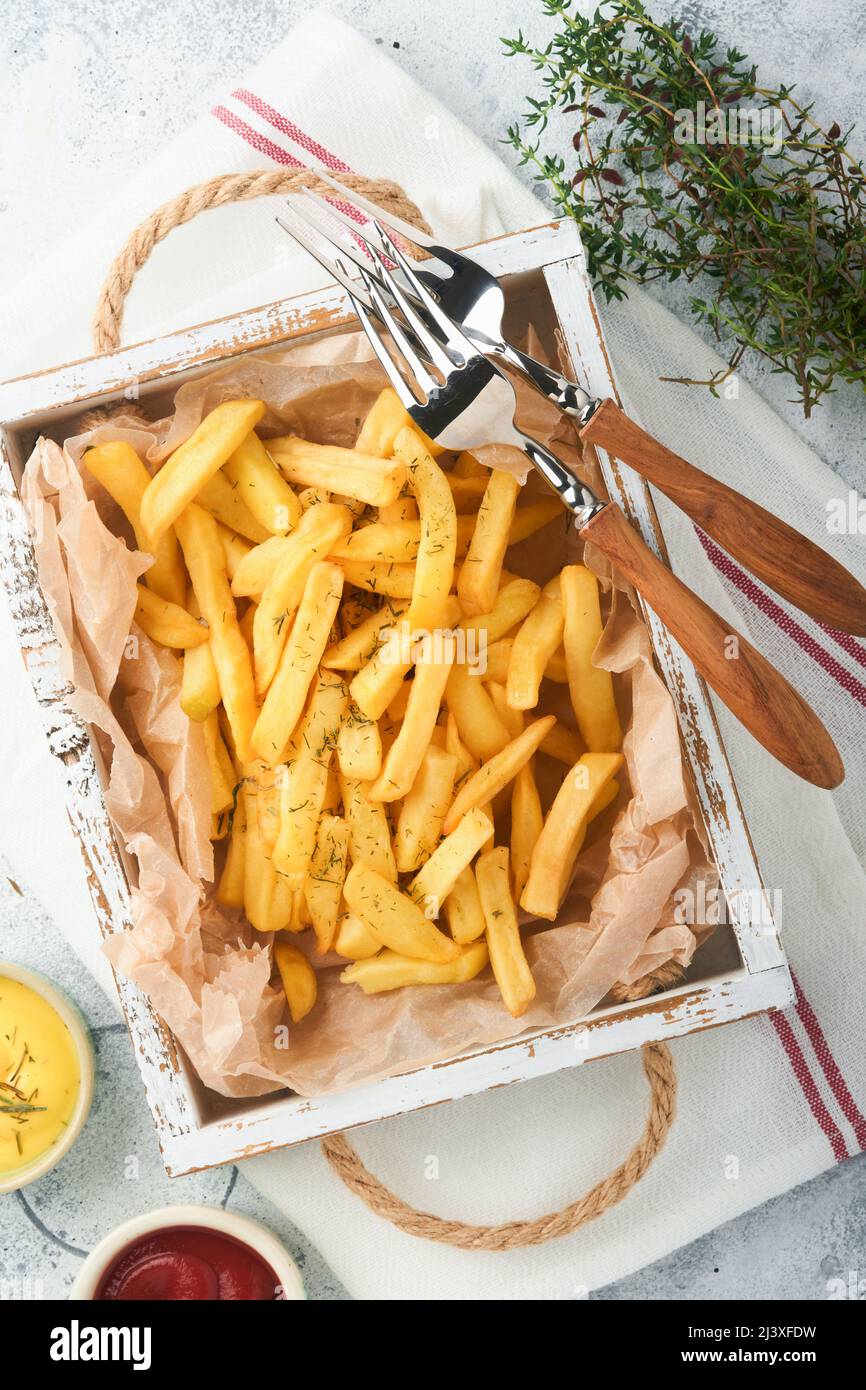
[[795, 567], [752, 689]]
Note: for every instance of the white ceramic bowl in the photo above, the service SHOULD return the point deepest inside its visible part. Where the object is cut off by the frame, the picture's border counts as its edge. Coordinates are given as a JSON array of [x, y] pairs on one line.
[[230, 1223], [10, 1182]]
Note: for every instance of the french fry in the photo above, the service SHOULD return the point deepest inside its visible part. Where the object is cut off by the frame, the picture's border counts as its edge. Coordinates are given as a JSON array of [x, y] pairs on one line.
[[299, 916], [527, 819], [394, 581], [497, 772], [304, 779], [167, 623], [262, 487], [268, 802], [354, 940], [511, 718], [511, 605], [284, 912], [389, 543], [434, 568], [313, 497], [125, 478], [310, 541], [462, 909], [563, 744], [532, 517], [590, 687], [359, 746], [388, 970], [187, 470], [356, 507], [333, 799], [467, 494], [385, 419], [222, 779], [323, 886], [555, 670], [300, 658], [478, 724], [466, 764], [563, 832], [419, 824], [298, 977], [433, 664], [510, 966], [254, 571], [394, 918], [259, 872], [230, 890], [362, 642], [431, 886], [404, 509], [268, 902], [354, 610], [377, 684], [226, 506], [540, 636], [375, 481], [199, 538], [199, 687], [247, 622], [229, 741], [235, 549], [497, 655], [369, 833], [479, 577], [466, 465]]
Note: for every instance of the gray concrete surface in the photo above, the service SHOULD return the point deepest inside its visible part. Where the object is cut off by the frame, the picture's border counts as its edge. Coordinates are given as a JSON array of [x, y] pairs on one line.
[[89, 89]]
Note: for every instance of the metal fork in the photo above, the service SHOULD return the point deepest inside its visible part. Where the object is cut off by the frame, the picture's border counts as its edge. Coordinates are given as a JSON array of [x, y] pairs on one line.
[[469, 295], [474, 404], [787, 561]]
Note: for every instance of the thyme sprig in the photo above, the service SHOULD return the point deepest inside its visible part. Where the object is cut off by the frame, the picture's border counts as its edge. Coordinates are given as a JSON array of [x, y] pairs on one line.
[[774, 223]]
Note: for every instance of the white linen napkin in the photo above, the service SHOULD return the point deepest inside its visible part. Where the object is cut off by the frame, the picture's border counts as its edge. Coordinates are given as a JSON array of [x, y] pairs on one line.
[[763, 1104]]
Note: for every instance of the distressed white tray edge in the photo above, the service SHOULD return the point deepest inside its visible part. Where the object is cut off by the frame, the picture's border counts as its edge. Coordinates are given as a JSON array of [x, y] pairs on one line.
[[187, 1143]]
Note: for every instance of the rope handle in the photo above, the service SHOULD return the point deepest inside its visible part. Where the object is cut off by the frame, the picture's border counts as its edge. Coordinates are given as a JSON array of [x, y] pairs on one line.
[[657, 1061]]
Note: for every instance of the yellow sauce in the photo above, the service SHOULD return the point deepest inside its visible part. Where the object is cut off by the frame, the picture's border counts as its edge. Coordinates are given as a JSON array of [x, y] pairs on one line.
[[39, 1069]]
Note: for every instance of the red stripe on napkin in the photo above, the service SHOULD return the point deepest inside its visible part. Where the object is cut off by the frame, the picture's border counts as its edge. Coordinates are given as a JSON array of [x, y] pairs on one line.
[[252, 137], [807, 1084], [280, 156], [829, 1065], [286, 127], [848, 643], [725, 565]]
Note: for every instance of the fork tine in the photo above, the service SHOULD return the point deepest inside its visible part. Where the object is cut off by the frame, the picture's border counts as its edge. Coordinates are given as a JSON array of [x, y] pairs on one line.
[[400, 336], [322, 217], [404, 228], [392, 372], [334, 268], [329, 227], [430, 344], [336, 214], [454, 337]]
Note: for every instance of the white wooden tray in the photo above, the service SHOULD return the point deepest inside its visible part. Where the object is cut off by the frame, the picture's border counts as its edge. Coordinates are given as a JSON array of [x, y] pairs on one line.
[[741, 971]]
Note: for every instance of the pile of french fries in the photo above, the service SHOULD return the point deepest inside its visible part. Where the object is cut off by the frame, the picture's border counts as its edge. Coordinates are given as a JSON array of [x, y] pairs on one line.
[[366, 674]]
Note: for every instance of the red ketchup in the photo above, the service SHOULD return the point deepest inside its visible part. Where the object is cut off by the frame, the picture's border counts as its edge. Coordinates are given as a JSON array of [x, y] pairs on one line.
[[185, 1263]]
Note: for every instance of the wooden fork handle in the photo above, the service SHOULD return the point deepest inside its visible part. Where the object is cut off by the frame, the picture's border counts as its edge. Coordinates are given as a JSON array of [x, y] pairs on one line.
[[752, 689], [795, 567]]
